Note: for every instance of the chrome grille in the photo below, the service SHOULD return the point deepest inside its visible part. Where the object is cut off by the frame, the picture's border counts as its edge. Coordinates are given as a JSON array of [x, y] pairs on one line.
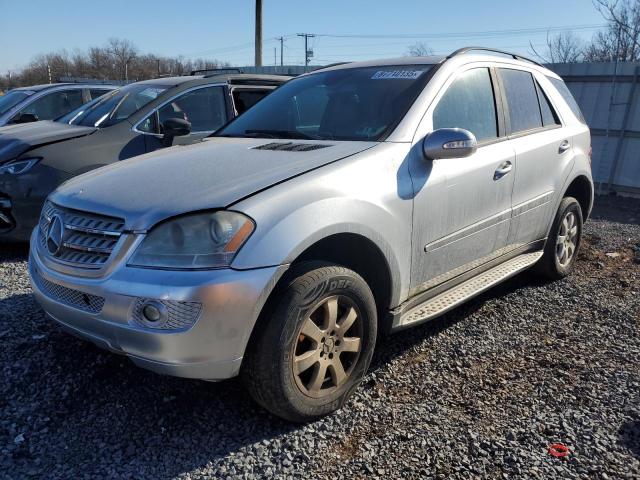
[[73, 298], [179, 314], [89, 239]]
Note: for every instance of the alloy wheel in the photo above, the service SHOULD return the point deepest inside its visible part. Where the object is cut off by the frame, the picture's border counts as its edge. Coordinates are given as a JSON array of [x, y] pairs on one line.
[[328, 346], [567, 239]]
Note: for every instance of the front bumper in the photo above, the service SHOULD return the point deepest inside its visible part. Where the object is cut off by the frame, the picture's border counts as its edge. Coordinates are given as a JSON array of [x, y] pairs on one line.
[[211, 349]]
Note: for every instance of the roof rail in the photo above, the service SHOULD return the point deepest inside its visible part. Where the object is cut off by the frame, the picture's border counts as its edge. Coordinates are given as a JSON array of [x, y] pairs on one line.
[[462, 51], [215, 71]]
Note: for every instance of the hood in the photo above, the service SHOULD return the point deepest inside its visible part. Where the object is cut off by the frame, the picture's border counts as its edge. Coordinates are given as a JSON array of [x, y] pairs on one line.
[[213, 174], [17, 139]]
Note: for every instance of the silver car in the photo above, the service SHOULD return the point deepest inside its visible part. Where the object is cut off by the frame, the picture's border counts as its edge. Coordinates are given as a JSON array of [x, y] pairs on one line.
[[358, 199]]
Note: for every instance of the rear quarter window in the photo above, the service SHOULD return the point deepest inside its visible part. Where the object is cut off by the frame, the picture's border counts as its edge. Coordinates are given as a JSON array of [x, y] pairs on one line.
[[568, 97]]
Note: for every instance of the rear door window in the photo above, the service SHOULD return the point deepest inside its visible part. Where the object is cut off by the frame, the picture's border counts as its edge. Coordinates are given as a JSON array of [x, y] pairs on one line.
[[245, 99], [522, 100], [469, 103]]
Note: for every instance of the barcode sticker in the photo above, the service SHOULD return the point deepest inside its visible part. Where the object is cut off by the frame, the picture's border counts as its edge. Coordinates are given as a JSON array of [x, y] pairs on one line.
[[397, 74]]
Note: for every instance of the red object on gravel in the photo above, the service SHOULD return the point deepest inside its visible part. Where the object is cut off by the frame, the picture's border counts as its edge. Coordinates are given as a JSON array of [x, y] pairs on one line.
[[558, 450]]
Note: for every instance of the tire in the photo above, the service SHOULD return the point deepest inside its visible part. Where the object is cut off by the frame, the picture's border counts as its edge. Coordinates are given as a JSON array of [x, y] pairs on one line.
[[551, 264], [292, 368]]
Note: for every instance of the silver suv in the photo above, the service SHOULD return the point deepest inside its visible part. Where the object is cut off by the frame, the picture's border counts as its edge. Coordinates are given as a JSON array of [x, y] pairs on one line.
[[359, 199]]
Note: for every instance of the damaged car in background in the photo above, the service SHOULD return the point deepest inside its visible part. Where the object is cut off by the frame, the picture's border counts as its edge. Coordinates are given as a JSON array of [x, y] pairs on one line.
[[141, 117]]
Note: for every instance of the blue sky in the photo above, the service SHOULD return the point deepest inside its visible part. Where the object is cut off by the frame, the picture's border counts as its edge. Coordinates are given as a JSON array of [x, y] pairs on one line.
[[224, 29]]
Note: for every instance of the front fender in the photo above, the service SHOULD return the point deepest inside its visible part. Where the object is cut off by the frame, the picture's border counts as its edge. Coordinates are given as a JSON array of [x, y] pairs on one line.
[[286, 239]]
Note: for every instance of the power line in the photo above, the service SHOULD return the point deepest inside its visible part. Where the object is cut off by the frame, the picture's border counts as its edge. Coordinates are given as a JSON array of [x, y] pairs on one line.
[[516, 31]]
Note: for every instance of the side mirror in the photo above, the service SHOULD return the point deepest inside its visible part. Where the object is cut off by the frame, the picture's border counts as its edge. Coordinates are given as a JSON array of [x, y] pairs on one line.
[[174, 127], [25, 118], [449, 143]]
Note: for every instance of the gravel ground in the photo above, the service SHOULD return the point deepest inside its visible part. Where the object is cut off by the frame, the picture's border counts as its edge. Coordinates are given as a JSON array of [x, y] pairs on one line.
[[481, 392]]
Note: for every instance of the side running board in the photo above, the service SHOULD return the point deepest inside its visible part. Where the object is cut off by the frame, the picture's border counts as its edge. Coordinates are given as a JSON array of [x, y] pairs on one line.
[[461, 293]]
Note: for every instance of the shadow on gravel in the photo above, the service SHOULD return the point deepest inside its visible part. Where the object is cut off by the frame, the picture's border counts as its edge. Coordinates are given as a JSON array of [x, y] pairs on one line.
[[630, 437], [617, 209], [14, 251], [396, 344]]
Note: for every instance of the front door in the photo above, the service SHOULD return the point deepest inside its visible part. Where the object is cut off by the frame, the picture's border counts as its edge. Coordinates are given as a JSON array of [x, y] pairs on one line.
[[203, 107], [462, 206]]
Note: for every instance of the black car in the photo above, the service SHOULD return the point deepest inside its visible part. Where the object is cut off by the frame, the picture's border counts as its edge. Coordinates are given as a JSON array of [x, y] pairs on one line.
[[141, 117]]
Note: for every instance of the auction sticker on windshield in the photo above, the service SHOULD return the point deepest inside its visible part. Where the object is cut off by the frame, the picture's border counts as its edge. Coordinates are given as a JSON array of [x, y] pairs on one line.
[[397, 74]]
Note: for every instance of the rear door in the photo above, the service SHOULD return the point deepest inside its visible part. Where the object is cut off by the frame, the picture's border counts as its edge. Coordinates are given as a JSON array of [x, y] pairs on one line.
[[204, 107], [542, 150], [462, 208]]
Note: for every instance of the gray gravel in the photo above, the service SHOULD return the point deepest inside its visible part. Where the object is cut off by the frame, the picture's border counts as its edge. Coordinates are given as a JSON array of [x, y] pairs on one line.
[[480, 392]]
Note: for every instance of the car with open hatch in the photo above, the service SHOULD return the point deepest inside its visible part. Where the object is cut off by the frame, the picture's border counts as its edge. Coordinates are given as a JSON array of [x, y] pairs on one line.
[[355, 200]]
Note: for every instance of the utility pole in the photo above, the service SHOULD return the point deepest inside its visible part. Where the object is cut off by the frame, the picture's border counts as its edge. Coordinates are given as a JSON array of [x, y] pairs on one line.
[[158, 68], [275, 56], [49, 72], [281, 49], [307, 53], [258, 33]]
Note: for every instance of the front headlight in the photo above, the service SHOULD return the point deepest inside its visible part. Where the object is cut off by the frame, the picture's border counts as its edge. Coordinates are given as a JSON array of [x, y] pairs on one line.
[[195, 241], [16, 167]]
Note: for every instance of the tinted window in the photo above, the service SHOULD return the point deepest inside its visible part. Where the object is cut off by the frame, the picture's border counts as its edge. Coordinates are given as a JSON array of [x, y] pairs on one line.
[[204, 108], [549, 116], [12, 98], [245, 99], [362, 103], [95, 93], [568, 97], [55, 104], [469, 103], [520, 89]]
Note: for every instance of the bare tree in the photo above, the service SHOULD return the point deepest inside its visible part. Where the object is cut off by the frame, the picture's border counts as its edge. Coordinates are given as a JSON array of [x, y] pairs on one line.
[[621, 38], [119, 59], [564, 47], [419, 49], [123, 52]]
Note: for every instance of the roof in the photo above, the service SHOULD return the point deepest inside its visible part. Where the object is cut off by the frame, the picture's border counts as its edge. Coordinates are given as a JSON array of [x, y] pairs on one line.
[[45, 86], [476, 53], [384, 62]]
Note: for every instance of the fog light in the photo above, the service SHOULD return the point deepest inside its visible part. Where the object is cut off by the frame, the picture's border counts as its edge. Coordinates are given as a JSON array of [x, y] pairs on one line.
[[151, 313]]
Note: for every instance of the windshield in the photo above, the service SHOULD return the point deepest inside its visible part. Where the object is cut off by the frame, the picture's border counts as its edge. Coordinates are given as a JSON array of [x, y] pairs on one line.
[[347, 104], [114, 106], [12, 98]]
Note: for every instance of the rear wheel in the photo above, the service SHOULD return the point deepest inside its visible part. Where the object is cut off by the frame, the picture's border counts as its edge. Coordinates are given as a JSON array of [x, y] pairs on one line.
[[561, 249], [314, 348]]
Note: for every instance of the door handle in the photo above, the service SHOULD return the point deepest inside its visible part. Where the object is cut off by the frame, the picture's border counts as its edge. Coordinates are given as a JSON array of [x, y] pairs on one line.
[[502, 170], [564, 146]]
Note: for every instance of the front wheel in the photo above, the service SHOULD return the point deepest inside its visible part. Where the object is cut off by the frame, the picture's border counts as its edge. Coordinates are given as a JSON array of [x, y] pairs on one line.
[[561, 249], [313, 350]]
